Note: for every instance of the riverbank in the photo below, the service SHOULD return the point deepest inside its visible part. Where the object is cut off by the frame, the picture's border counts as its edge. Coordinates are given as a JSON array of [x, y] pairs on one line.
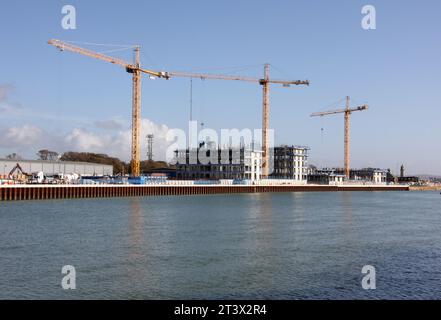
[[425, 188]]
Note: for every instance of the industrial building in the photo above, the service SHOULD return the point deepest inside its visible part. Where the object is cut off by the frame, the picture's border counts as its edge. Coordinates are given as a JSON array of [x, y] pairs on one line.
[[244, 163], [290, 162], [336, 176], [55, 167]]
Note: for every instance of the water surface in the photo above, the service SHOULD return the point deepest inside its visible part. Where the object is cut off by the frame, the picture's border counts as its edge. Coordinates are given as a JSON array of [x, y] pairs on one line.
[[245, 246]]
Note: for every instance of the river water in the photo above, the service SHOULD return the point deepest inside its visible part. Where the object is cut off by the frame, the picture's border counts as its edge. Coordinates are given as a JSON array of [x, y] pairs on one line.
[[245, 246]]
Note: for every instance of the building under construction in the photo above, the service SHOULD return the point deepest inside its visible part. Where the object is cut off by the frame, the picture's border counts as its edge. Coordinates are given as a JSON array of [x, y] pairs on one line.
[[290, 162], [208, 163]]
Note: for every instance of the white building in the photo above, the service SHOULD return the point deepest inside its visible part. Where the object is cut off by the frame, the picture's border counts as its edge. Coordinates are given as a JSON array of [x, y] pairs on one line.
[[379, 176]]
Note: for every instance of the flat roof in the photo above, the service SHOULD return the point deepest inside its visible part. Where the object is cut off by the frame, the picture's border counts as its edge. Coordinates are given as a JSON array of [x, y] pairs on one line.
[[55, 162], [291, 147]]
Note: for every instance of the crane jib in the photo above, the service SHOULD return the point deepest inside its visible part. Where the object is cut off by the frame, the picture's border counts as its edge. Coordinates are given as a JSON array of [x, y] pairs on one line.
[[136, 70]]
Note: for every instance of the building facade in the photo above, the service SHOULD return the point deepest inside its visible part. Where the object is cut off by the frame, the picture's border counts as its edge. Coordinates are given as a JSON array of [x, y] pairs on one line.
[[290, 162], [205, 163], [372, 175], [325, 176]]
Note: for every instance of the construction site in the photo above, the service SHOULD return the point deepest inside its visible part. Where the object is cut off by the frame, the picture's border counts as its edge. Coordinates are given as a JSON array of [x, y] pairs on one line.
[[259, 168]]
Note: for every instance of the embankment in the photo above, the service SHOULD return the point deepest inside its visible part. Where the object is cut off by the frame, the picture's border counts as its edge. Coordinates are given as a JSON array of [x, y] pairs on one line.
[[44, 192]]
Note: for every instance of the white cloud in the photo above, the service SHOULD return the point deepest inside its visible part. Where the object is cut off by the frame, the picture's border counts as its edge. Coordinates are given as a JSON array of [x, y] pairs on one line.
[[80, 139], [111, 136], [119, 143], [160, 144], [21, 137], [28, 139]]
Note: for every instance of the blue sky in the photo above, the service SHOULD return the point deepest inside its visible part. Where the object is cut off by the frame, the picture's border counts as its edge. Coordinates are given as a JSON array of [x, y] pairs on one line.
[[66, 99]]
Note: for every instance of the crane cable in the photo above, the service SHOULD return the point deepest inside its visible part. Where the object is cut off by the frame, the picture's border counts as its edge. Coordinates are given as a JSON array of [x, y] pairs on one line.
[[322, 129]]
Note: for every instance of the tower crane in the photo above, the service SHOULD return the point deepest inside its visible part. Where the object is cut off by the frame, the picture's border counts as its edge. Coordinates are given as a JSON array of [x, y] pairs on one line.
[[136, 70], [265, 83], [347, 113]]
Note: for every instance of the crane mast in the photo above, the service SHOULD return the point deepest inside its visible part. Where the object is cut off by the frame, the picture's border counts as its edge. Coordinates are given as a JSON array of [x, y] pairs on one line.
[[136, 117], [347, 138], [347, 117], [136, 70], [265, 122]]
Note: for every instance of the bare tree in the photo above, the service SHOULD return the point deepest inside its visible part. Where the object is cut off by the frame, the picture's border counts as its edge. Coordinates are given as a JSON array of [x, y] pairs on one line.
[[47, 155], [13, 156]]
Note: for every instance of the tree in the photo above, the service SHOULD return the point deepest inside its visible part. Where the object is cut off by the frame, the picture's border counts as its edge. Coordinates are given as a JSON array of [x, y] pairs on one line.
[[13, 156], [118, 165], [150, 164], [47, 155]]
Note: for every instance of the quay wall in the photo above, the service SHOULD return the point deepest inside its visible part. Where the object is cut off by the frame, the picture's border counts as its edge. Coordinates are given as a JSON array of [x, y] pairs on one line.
[[44, 192], [425, 188]]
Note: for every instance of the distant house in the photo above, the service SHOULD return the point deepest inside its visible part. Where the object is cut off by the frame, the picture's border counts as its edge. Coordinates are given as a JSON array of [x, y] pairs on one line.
[[326, 176], [373, 175], [334, 176], [408, 179]]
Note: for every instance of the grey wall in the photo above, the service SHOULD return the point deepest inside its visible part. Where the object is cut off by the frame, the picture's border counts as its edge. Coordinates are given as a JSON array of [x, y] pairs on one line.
[[49, 167]]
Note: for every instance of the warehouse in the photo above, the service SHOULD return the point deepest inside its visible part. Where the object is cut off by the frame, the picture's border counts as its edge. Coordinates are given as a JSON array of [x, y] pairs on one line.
[[55, 167]]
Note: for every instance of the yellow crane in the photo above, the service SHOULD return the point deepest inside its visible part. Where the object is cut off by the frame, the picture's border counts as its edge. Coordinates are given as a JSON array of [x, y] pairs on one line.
[[265, 83], [347, 113], [136, 70]]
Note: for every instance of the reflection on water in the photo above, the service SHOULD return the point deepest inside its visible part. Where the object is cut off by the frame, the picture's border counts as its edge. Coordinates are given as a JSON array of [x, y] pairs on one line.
[[348, 212], [136, 236], [298, 207]]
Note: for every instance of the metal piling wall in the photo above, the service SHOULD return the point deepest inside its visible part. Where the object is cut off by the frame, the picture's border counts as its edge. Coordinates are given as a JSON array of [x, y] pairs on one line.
[[45, 192]]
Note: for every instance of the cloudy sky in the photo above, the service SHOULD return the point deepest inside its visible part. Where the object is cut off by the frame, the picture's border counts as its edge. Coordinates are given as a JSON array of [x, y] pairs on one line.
[[111, 136], [64, 101]]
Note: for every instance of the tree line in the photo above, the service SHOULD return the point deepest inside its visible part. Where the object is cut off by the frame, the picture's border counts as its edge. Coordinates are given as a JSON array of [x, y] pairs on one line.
[[119, 166]]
